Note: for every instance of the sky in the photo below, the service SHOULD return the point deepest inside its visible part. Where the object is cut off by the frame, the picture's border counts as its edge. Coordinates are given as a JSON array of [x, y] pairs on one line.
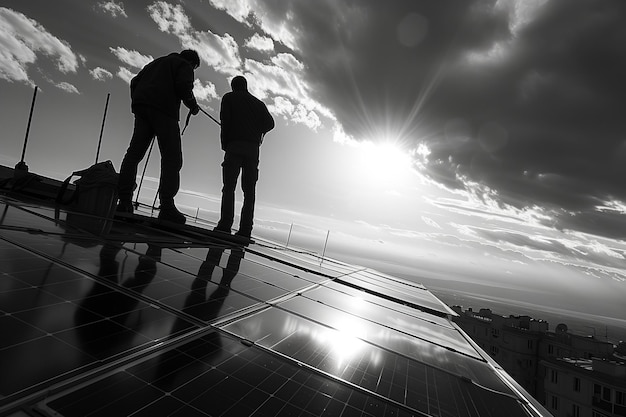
[[477, 146]]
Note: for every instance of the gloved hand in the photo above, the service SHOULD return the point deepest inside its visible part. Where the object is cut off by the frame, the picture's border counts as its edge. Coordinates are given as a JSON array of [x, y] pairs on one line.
[[195, 110]]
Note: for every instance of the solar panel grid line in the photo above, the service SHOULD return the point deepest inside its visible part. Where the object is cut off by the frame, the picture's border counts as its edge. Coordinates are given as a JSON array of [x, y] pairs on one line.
[[396, 307], [148, 299], [366, 277], [120, 367], [392, 298], [270, 267], [391, 279], [390, 327], [305, 263], [530, 408], [86, 376], [126, 352], [294, 354], [173, 237], [407, 294], [269, 245], [261, 332], [223, 321], [346, 375], [341, 380], [105, 282], [304, 316]]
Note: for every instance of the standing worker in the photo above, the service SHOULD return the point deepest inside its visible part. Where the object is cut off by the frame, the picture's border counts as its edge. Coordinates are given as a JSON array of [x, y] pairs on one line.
[[156, 93], [244, 120]]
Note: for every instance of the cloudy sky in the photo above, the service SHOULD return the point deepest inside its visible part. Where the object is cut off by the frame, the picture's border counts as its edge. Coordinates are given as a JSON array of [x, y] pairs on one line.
[[488, 135]]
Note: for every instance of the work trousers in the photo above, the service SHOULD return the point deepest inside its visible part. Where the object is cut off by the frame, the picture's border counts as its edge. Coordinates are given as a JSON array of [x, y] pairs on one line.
[[148, 124], [240, 157]]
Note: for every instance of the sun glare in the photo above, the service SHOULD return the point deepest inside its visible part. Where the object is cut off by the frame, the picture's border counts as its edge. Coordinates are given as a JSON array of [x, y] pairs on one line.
[[382, 162]]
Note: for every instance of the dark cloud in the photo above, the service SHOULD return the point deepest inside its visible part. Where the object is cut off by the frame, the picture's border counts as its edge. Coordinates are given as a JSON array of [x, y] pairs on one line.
[[522, 97], [555, 96]]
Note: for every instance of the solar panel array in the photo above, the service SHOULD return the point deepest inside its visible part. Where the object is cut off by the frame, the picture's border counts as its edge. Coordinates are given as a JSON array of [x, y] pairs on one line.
[[149, 320]]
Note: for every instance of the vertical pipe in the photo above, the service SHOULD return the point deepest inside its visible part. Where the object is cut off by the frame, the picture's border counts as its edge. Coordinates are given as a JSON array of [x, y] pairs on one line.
[[289, 235], [30, 117], [143, 173], [155, 197], [325, 243], [106, 106]]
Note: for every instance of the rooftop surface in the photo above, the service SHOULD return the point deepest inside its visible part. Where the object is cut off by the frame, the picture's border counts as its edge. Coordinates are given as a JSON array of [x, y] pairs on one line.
[[154, 320]]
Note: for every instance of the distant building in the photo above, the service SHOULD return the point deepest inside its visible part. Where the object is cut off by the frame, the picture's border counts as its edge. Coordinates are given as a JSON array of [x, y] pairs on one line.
[[571, 375], [514, 342], [585, 387]]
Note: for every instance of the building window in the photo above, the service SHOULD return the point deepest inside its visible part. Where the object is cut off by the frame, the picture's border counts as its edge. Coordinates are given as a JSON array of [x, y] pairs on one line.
[[575, 410], [554, 376], [531, 344], [576, 384], [606, 394], [555, 402], [550, 349], [494, 350], [495, 332], [620, 398]]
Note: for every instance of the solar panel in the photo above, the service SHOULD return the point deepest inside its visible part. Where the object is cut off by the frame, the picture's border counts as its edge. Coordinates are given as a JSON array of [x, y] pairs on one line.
[[158, 321]]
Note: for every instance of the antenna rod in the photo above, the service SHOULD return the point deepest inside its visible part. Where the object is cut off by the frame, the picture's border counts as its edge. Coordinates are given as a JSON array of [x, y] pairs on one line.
[[325, 243], [30, 117], [143, 173], [106, 106]]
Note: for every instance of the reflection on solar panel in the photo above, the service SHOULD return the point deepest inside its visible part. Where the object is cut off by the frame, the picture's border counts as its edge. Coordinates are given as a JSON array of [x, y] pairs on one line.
[[151, 321]]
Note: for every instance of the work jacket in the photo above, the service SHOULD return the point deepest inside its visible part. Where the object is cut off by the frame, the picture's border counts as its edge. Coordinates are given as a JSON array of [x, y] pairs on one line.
[[163, 84], [244, 118]]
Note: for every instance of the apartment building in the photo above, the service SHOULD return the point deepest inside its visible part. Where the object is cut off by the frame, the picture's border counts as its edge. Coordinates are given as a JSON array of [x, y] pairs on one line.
[[577, 387], [571, 375]]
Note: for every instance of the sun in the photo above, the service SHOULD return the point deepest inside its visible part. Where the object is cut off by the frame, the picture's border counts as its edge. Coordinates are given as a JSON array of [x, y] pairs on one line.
[[382, 162]]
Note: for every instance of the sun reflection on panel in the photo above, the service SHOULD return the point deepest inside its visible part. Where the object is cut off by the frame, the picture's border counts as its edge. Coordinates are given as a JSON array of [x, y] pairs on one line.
[[344, 340]]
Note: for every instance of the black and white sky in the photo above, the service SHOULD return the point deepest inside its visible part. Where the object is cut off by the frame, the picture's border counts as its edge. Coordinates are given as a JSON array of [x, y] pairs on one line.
[[521, 102]]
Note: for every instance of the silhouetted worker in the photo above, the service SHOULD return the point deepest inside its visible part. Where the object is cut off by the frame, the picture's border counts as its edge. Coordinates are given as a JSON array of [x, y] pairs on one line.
[[245, 120], [156, 93]]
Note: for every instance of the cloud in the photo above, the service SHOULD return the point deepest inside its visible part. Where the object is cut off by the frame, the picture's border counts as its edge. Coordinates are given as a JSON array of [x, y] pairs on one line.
[[260, 43], [238, 9], [295, 112], [219, 52], [65, 86], [100, 74], [113, 8], [280, 78], [538, 103], [169, 18], [22, 40], [204, 92], [125, 74], [132, 58], [522, 98]]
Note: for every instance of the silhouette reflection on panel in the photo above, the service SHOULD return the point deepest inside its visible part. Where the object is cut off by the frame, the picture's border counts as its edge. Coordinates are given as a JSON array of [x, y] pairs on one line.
[[172, 367], [114, 333], [204, 307]]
